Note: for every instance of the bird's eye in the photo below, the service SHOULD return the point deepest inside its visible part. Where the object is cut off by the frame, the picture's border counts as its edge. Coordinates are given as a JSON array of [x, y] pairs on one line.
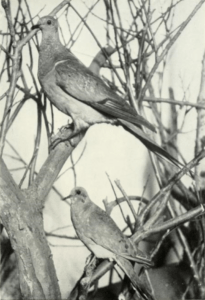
[[78, 192], [49, 22]]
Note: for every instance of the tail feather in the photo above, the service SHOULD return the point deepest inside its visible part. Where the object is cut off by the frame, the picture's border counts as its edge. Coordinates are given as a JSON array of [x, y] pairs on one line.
[[143, 291], [150, 144]]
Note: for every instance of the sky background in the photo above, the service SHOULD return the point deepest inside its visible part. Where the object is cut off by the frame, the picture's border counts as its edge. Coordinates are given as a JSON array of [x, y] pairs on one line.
[[109, 149]]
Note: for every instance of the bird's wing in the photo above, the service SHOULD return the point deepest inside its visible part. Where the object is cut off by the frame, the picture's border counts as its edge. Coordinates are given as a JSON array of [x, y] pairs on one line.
[[77, 80], [82, 84], [125, 112], [104, 232]]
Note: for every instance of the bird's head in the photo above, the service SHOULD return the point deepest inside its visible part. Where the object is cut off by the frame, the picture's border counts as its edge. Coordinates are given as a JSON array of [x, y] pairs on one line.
[[46, 23], [78, 195]]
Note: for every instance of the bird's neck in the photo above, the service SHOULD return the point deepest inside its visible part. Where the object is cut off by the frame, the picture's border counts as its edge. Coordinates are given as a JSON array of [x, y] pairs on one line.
[[50, 49]]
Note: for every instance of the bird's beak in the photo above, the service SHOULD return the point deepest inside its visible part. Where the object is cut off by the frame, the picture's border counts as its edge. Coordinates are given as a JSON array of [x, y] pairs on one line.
[[37, 26], [67, 197]]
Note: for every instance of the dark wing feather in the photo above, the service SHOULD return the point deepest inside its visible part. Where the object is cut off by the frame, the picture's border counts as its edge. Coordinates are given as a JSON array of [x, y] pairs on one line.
[[117, 110], [81, 83], [104, 232]]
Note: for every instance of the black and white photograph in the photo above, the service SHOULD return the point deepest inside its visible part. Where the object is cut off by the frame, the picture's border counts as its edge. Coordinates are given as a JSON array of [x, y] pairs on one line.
[[102, 149]]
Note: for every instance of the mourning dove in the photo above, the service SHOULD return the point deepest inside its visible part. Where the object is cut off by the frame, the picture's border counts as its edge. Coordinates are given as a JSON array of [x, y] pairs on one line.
[[100, 234], [78, 92]]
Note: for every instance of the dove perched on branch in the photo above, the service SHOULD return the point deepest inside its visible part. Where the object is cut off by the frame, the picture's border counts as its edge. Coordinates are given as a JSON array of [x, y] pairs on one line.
[[97, 230], [78, 92]]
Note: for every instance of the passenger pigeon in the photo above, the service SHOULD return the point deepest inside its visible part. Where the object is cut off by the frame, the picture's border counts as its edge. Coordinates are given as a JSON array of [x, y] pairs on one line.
[[100, 234], [78, 92]]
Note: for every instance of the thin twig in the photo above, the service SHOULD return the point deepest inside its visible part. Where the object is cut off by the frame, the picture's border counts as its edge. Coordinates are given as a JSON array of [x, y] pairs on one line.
[[168, 47]]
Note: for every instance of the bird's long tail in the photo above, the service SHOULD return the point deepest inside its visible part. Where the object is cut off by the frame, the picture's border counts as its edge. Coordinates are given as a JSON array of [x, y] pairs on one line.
[[143, 291], [150, 144]]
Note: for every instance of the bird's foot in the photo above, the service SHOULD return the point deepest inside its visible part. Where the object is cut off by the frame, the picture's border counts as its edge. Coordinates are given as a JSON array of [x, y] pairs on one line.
[[90, 267], [66, 133], [86, 282], [91, 262], [89, 259], [67, 127], [62, 135]]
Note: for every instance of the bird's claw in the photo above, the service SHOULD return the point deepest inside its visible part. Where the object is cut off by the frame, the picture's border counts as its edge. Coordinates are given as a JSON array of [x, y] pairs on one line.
[[89, 259], [66, 133], [66, 127]]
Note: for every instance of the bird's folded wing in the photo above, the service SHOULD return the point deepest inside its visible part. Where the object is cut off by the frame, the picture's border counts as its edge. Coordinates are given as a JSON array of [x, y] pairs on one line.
[[104, 232], [117, 110], [79, 82]]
